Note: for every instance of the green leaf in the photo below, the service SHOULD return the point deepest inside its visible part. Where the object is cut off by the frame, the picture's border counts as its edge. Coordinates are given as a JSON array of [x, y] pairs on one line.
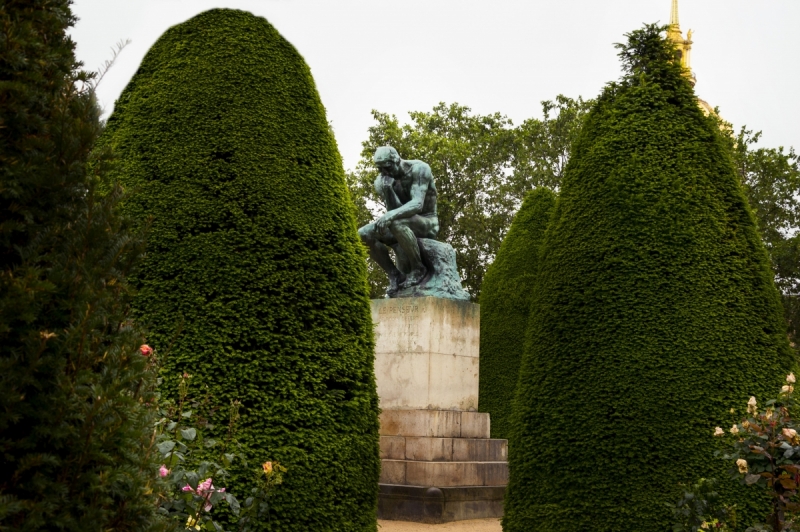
[[751, 479], [165, 446], [189, 434], [192, 479]]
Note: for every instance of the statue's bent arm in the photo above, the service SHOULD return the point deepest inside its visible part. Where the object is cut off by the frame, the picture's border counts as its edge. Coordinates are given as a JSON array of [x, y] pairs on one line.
[[419, 188]]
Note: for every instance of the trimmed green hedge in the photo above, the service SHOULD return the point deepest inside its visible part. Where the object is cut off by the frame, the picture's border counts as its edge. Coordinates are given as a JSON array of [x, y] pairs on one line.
[[254, 267], [653, 314], [505, 301], [75, 420]]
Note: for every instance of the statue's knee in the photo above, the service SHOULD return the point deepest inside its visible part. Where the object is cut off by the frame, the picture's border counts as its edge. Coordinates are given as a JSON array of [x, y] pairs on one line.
[[398, 225]]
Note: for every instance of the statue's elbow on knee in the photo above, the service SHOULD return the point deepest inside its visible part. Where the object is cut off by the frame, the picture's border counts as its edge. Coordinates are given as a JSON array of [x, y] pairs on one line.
[[366, 236]]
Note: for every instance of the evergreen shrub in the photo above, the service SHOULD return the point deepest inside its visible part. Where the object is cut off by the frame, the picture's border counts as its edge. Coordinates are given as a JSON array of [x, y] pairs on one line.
[[75, 425], [505, 301], [654, 312], [255, 279]]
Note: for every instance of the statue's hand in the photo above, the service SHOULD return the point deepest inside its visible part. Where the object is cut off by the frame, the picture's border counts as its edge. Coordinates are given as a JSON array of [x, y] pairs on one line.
[[383, 222]]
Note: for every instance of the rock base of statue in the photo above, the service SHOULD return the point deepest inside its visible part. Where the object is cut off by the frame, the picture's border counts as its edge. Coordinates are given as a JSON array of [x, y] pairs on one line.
[[442, 279], [438, 463]]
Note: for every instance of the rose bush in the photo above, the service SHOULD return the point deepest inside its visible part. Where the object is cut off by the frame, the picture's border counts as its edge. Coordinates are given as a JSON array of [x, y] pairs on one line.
[[765, 451], [184, 497]]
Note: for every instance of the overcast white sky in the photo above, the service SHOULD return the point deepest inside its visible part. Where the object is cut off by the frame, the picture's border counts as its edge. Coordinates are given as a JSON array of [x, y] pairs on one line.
[[491, 55]]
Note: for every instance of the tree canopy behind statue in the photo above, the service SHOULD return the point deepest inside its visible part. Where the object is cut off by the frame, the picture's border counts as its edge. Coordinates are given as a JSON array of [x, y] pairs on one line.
[[254, 267], [654, 313]]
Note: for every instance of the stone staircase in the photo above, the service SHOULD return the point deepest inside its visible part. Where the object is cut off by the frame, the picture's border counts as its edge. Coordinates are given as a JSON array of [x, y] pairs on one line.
[[439, 466]]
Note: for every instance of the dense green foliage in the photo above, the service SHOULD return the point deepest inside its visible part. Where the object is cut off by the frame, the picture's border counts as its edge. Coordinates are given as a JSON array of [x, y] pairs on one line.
[[505, 301], [255, 280], [654, 312], [75, 430], [483, 167]]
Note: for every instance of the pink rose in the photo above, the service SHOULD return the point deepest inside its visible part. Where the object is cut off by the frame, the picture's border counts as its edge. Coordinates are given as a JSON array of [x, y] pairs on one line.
[[163, 471], [204, 489], [146, 350]]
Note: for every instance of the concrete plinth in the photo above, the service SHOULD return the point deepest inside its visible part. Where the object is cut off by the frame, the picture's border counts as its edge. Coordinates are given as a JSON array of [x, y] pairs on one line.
[[426, 353], [438, 463]]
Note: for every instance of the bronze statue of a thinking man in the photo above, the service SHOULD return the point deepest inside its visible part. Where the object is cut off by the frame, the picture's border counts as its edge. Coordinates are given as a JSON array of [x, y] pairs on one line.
[[409, 194]]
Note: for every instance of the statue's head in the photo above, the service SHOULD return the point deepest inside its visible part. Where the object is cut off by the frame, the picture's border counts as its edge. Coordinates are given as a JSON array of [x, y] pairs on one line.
[[387, 160]]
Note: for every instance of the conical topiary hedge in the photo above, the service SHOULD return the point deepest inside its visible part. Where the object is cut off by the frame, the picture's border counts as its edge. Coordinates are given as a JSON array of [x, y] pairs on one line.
[[254, 269], [505, 300], [653, 314]]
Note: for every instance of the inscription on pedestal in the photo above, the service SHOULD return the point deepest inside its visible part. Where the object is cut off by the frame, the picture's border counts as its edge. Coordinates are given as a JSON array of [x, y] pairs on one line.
[[388, 311]]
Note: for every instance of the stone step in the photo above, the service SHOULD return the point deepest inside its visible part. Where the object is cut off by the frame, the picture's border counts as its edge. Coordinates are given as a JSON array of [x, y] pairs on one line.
[[443, 474], [434, 423], [423, 504], [443, 449]]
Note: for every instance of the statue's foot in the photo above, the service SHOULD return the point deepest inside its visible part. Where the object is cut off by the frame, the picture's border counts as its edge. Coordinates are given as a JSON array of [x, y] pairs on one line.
[[415, 277], [395, 281]]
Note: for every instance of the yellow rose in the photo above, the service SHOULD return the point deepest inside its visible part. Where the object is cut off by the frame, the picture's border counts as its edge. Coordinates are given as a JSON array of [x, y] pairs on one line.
[[741, 463], [735, 429], [790, 378], [719, 432]]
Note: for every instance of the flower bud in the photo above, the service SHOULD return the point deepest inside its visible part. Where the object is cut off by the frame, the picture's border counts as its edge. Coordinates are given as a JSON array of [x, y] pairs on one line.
[[752, 405], [735, 429], [790, 378]]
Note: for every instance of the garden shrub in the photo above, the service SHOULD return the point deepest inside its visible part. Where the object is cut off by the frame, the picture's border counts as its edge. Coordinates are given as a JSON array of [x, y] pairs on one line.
[[75, 425], [255, 279], [505, 301], [654, 311]]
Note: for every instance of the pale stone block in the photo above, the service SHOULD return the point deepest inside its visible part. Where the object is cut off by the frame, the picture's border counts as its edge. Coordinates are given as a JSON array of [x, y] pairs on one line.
[[451, 381], [474, 425], [444, 474], [443, 449], [393, 472], [404, 379], [429, 449], [426, 353], [393, 447], [434, 423]]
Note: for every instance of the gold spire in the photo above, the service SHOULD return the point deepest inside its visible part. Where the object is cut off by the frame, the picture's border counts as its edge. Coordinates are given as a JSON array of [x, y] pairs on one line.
[[684, 46], [673, 19]]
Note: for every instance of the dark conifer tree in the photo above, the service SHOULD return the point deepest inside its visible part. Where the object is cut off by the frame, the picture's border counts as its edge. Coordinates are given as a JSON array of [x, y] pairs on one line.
[[75, 430], [255, 270], [505, 302], [653, 314]]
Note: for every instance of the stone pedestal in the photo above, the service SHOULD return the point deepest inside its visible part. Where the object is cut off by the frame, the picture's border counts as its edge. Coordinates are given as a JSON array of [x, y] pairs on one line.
[[426, 353], [438, 463]]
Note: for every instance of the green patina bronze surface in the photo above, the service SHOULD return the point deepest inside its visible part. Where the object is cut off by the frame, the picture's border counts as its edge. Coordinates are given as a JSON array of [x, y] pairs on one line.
[[425, 267]]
